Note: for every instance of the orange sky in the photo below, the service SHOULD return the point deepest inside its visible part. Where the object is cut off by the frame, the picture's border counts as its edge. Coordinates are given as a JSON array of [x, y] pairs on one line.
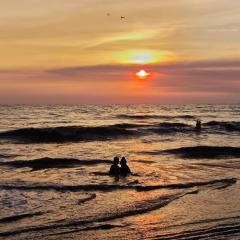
[[81, 51]]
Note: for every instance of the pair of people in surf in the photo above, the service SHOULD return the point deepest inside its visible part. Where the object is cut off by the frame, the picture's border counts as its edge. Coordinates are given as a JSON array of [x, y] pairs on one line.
[[115, 170]]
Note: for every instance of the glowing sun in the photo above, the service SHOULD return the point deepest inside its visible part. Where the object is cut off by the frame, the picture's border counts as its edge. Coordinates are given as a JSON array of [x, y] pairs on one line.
[[142, 74]]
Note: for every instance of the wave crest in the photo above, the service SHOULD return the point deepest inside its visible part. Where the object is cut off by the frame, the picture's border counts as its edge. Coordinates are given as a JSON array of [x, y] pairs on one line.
[[230, 126], [44, 163], [139, 117], [171, 127], [68, 133], [204, 152]]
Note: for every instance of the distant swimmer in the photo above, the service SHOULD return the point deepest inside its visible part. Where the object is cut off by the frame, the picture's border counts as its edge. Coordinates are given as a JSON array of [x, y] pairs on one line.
[[124, 170], [115, 169], [198, 125]]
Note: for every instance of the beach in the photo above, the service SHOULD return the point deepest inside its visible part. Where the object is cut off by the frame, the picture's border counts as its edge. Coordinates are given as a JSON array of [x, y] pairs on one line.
[[54, 163]]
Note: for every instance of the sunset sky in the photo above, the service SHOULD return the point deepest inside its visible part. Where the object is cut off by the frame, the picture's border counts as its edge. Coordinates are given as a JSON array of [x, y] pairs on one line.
[[82, 51]]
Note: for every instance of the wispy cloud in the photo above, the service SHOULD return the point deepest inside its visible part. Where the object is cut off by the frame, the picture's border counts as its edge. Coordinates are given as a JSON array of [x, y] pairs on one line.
[[220, 76], [122, 37]]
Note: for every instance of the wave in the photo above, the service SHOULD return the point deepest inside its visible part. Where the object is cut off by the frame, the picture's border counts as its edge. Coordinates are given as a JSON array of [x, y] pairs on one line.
[[140, 207], [129, 125], [209, 127], [167, 117], [144, 161], [69, 133], [94, 228], [112, 187], [97, 133], [45, 163], [100, 173], [87, 199], [6, 156], [224, 125], [225, 230], [19, 217], [174, 127], [203, 152], [219, 182], [232, 165], [171, 127], [222, 228]]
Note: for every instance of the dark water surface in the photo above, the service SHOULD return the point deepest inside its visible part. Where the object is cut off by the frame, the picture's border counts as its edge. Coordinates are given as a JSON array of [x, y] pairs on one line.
[[54, 162]]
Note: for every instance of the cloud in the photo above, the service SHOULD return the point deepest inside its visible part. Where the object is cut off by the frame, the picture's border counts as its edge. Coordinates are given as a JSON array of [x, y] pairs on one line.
[[216, 69], [202, 80]]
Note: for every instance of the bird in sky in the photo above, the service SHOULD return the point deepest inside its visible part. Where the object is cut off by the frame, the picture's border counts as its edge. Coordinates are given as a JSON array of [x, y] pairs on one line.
[[122, 17]]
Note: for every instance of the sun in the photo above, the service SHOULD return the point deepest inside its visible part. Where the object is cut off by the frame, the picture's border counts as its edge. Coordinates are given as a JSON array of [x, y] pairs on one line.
[[142, 74]]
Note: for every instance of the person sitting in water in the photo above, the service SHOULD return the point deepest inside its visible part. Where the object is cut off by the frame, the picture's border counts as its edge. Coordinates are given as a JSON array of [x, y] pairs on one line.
[[124, 170], [198, 125], [115, 169]]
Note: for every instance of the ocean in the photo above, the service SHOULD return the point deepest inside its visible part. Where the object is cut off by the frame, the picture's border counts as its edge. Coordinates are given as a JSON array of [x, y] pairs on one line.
[[54, 163]]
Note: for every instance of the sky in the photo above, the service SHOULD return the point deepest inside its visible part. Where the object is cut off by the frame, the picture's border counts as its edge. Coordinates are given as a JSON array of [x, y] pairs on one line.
[[89, 51]]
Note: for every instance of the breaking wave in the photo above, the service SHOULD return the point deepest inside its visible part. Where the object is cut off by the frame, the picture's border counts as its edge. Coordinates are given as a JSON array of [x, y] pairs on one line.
[[212, 126], [166, 117], [6, 156], [69, 133], [17, 217], [203, 152], [121, 130], [170, 127], [44, 163], [230, 126]]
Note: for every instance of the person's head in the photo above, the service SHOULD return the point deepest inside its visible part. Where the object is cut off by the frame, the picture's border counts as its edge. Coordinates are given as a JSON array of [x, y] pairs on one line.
[[123, 161], [115, 160]]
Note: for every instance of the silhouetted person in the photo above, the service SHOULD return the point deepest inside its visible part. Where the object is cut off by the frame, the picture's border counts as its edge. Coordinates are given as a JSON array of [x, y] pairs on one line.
[[198, 125], [124, 170], [115, 169]]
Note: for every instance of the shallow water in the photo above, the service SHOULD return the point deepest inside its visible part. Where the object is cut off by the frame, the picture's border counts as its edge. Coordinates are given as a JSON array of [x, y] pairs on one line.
[[54, 162]]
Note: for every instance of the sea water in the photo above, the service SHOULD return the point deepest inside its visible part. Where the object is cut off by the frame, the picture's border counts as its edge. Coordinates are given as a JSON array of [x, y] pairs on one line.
[[54, 163]]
